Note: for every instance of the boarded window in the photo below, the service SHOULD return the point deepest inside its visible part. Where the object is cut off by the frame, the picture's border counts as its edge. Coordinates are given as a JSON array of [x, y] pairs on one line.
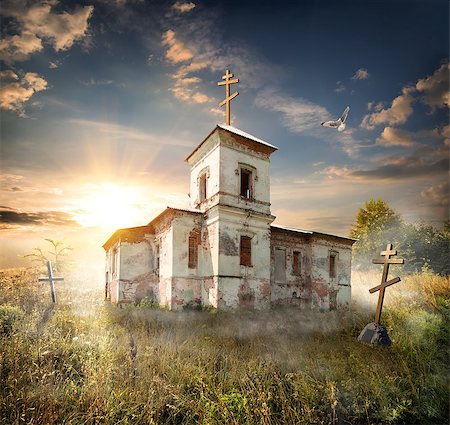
[[296, 262], [332, 265], [246, 183], [246, 251], [202, 187], [280, 265], [193, 252]]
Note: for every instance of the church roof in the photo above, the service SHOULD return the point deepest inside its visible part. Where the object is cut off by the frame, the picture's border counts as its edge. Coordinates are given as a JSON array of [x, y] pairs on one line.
[[255, 141], [134, 234], [309, 232], [235, 130], [128, 234]]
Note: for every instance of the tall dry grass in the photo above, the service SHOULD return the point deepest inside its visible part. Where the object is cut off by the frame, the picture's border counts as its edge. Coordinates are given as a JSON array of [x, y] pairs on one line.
[[86, 361]]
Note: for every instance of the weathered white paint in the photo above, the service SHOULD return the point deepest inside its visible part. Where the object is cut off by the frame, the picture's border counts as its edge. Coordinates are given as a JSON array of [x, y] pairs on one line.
[[219, 221]]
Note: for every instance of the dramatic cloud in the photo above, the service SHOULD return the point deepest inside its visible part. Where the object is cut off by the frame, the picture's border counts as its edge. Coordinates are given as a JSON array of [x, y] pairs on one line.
[[197, 45], [182, 7], [361, 74], [397, 113], [435, 95], [437, 195], [16, 91], [14, 217], [177, 51], [395, 137], [19, 47], [435, 88], [38, 22], [298, 114]]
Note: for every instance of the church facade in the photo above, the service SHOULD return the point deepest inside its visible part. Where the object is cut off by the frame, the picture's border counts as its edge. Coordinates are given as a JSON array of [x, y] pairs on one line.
[[224, 251]]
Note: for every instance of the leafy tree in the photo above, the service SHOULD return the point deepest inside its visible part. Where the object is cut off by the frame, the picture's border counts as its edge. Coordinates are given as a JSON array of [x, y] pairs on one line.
[[421, 245], [376, 224], [57, 255]]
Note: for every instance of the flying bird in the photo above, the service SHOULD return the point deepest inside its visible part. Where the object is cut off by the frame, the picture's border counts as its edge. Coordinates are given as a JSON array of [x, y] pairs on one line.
[[340, 123]]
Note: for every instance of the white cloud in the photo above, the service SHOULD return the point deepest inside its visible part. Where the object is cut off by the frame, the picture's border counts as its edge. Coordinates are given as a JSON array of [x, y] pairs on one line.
[[37, 22], [435, 88], [129, 134], [177, 51], [298, 114], [361, 74], [397, 113], [435, 95], [182, 7], [197, 45], [17, 91], [19, 47], [395, 137]]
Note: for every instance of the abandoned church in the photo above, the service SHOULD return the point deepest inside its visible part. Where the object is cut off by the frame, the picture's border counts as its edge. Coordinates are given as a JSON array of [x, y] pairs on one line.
[[224, 251]]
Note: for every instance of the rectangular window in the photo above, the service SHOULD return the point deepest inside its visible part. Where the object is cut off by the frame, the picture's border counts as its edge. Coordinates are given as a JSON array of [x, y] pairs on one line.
[[246, 251], [332, 265], [246, 183], [280, 265], [193, 253], [202, 187], [296, 265]]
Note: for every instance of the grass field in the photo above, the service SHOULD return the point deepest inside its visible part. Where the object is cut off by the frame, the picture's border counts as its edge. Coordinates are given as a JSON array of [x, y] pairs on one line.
[[85, 361]]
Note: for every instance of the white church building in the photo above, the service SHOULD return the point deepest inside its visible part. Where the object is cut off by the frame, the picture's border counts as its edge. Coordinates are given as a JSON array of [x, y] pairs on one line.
[[224, 251]]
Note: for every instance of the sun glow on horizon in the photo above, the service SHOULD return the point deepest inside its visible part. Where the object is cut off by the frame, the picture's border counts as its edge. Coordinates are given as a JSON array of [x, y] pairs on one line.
[[111, 206]]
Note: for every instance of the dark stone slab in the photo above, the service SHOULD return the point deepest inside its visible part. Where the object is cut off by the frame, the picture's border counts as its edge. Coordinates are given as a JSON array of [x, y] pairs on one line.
[[375, 334]]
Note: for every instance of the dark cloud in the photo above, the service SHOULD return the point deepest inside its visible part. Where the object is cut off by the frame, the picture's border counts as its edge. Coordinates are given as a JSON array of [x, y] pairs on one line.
[[11, 217], [401, 170]]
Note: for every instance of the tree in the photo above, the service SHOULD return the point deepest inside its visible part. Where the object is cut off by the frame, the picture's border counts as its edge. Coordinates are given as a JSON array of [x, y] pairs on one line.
[[376, 224], [57, 254], [422, 245]]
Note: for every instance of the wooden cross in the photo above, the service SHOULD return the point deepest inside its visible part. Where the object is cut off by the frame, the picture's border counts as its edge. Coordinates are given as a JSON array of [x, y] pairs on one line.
[[227, 77], [51, 279], [384, 282]]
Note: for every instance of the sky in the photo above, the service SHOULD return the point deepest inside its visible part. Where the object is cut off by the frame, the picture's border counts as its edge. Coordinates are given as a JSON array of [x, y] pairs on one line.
[[101, 102]]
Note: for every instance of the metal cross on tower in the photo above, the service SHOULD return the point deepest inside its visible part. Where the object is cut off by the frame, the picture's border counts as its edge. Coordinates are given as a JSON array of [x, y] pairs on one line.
[[227, 77], [51, 279], [385, 283]]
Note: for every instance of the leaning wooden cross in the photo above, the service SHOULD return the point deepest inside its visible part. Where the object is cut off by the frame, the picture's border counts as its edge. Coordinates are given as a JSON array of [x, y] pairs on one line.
[[374, 333], [51, 279]]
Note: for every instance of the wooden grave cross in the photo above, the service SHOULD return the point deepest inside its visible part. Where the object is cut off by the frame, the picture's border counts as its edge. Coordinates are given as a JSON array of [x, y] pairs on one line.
[[228, 81], [51, 279], [384, 282]]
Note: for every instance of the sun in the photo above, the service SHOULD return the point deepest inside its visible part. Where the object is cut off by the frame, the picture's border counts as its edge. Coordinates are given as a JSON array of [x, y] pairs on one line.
[[111, 206]]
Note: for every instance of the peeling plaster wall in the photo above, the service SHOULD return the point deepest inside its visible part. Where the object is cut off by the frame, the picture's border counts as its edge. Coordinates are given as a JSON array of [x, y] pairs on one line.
[[137, 273], [243, 286], [232, 157], [113, 277], [164, 239], [208, 161], [330, 292], [186, 282], [295, 290]]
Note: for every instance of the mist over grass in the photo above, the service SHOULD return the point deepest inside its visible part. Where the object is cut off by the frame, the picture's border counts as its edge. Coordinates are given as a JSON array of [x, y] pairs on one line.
[[85, 361]]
